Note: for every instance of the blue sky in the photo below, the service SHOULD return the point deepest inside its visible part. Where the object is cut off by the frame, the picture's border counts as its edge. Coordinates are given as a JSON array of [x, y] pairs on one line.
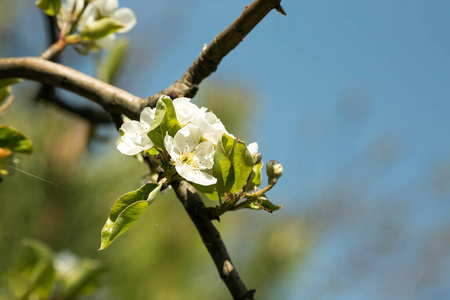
[[339, 82]]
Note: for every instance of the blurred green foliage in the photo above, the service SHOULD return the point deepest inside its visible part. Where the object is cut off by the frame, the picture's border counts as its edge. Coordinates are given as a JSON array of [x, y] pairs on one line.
[[38, 273]]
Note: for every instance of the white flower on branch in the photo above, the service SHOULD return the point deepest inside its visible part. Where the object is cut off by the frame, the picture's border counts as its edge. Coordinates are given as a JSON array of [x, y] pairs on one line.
[[185, 110], [253, 148], [193, 159], [70, 9], [211, 127], [135, 138], [110, 9], [100, 18]]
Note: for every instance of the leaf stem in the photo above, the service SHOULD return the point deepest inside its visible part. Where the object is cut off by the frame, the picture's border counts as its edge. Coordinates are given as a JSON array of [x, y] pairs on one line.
[[260, 192]]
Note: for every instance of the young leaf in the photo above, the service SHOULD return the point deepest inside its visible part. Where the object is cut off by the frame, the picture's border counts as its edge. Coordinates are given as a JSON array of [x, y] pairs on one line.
[[209, 191], [165, 121], [8, 81], [4, 92], [255, 179], [126, 211], [222, 166], [243, 165], [50, 7], [233, 164], [101, 28], [265, 204], [13, 140]]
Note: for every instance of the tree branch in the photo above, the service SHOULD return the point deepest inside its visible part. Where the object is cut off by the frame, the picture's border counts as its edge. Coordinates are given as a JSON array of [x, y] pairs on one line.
[[213, 242], [90, 114], [213, 54], [113, 99]]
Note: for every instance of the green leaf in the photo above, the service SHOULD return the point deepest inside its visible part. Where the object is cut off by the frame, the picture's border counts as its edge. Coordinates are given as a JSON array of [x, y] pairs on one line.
[[222, 169], [126, 211], [8, 81], [165, 121], [233, 164], [101, 28], [255, 179], [243, 165], [4, 92], [13, 140], [50, 7], [209, 191], [5, 89], [113, 61], [152, 151], [264, 204]]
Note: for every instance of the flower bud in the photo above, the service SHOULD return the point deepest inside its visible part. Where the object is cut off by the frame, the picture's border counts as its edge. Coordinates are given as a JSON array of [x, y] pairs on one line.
[[274, 170], [257, 158]]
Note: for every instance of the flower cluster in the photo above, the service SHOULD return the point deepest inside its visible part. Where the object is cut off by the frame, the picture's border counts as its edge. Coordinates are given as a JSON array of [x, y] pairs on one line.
[[191, 148], [97, 21]]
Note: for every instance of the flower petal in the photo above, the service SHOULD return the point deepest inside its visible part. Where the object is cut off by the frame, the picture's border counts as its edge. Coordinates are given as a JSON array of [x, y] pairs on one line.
[[148, 115], [106, 7], [195, 176], [185, 110], [205, 154], [173, 151], [210, 126], [87, 17], [127, 149], [126, 16], [135, 135], [253, 148], [106, 42], [187, 137]]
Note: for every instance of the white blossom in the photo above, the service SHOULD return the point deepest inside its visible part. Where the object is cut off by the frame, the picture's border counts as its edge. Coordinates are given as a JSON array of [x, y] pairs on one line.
[[185, 110], [69, 9], [211, 127], [253, 148], [135, 138], [193, 159], [96, 10], [110, 9]]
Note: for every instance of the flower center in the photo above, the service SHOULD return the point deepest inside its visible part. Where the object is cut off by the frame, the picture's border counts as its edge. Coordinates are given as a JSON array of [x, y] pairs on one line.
[[189, 158]]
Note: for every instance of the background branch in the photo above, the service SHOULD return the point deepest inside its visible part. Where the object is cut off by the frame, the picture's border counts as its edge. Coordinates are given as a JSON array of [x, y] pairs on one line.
[[90, 114], [48, 93], [113, 99]]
